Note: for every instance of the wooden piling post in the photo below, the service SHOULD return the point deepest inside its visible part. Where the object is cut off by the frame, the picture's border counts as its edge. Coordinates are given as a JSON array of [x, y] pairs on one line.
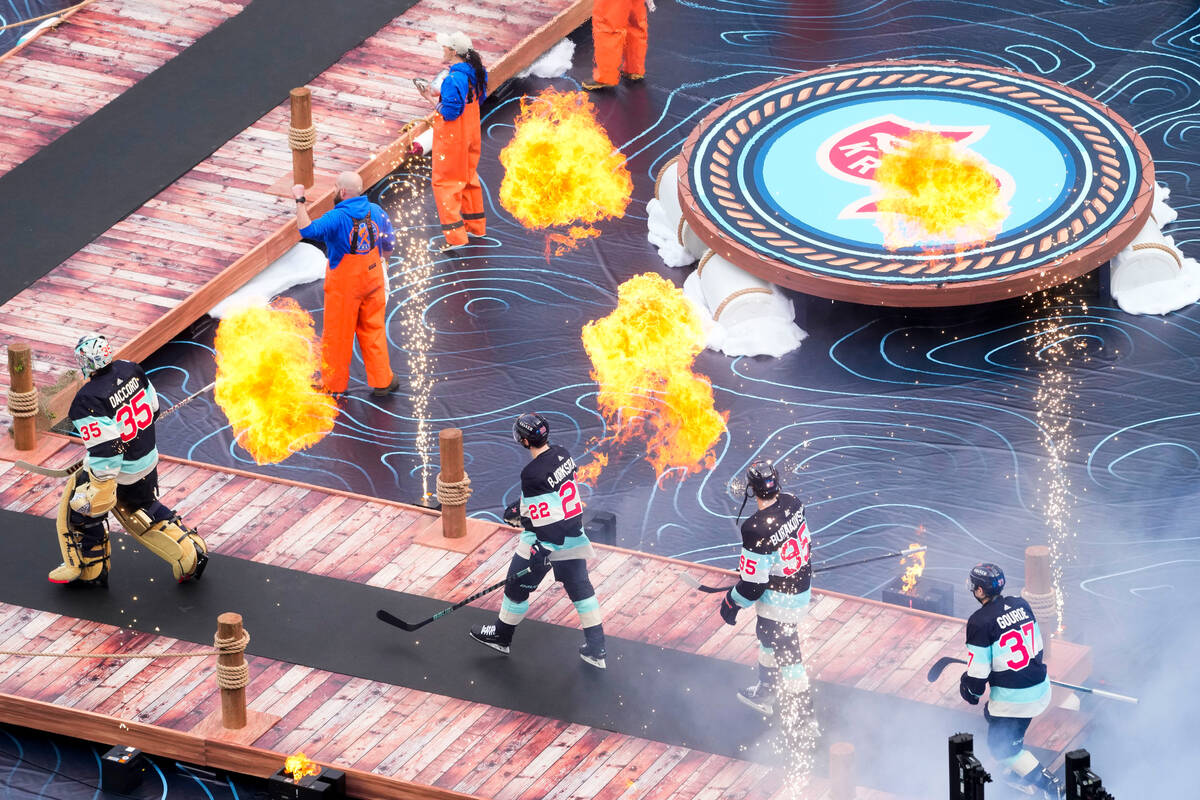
[[453, 487], [1039, 592], [841, 771], [22, 398], [301, 137], [231, 670]]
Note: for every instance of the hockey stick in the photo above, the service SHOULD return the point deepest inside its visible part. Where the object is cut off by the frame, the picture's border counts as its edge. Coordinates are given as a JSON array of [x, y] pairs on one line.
[[940, 665], [67, 471], [392, 619], [821, 567]]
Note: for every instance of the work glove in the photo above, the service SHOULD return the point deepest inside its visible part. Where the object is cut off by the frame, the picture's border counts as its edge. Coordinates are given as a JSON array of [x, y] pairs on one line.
[[729, 609], [539, 555], [512, 514], [966, 692], [650, 5]]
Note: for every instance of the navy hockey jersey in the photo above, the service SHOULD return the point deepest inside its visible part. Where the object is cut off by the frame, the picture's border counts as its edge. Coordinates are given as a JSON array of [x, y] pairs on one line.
[[114, 415], [1004, 647], [551, 508], [775, 567]]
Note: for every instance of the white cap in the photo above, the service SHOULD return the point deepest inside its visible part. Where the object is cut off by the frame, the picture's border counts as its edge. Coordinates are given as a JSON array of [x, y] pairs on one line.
[[458, 41]]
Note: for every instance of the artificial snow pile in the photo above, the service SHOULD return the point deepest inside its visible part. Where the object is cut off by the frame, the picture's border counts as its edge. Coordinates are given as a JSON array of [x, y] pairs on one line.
[[743, 315], [677, 245], [554, 63], [1151, 276], [304, 263]]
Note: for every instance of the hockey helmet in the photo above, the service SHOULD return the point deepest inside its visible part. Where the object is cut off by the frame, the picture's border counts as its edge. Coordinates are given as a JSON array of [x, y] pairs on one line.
[[93, 353], [762, 479], [531, 430], [988, 577]]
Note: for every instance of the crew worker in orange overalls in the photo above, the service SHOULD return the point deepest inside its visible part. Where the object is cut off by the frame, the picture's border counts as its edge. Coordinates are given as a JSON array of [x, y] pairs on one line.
[[619, 39], [456, 142], [356, 234]]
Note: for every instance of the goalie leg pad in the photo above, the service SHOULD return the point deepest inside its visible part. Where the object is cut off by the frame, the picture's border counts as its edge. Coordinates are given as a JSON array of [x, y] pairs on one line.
[[170, 540], [83, 542]]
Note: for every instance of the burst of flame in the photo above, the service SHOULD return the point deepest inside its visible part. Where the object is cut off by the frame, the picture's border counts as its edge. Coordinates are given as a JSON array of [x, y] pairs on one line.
[[933, 188], [561, 169], [298, 766], [642, 355], [914, 570], [266, 360]]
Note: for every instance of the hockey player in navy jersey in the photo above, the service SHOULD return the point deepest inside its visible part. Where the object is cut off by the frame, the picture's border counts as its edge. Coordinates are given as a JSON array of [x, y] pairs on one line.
[[550, 512], [1004, 649], [775, 578], [114, 414]]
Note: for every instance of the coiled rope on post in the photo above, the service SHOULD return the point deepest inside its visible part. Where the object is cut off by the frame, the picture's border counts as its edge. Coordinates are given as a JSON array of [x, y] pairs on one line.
[[302, 138], [23, 404], [236, 676], [454, 493]]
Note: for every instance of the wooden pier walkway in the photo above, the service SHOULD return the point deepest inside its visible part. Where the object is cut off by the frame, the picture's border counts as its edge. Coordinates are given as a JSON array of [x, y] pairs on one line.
[[447, 743]]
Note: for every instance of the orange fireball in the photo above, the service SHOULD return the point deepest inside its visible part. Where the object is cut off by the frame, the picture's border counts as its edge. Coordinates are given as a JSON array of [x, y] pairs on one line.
[[562, 170], [935, 189], [266, 360], [642, 355]]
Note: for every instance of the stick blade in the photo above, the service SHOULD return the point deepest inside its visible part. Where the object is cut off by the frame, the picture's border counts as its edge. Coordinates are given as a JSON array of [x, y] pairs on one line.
[[939, 667], [392, 619], [689, 580]]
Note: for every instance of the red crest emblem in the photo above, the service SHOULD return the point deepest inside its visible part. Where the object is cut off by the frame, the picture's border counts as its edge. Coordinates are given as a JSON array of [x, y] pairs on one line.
[[853, 154]]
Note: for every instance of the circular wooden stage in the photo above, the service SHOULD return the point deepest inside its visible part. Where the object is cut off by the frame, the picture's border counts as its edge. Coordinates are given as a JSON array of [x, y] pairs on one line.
[[780, 181]]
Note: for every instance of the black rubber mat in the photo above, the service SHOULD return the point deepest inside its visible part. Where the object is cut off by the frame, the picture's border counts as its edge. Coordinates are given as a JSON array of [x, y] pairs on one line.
[[111, 163], [647, 691]]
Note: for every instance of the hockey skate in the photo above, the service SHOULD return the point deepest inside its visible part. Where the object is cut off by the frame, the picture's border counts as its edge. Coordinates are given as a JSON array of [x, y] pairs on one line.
[[488, 635], [760, 697], [64, 573], [198, 570], [593, 655]]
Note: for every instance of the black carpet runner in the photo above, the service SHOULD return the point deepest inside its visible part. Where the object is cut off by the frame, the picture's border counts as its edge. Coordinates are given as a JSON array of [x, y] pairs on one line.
[[647, 691], [111, 163]]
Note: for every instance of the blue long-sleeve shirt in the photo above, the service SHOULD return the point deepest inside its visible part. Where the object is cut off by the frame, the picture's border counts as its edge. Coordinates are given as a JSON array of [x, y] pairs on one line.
[[458, 89], [334, 227]]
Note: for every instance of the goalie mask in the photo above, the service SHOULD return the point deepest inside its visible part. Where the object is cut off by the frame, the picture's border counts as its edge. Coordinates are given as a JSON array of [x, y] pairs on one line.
[[93, 353]]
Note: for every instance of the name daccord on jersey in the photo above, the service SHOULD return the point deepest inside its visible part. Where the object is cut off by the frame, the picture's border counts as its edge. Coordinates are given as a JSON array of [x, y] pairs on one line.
[[775, 551], [114, 415]]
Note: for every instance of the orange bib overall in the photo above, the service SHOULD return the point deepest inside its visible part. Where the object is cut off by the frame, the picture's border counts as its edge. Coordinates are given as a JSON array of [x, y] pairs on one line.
[[355, 301], [456, 187], [618, 35]]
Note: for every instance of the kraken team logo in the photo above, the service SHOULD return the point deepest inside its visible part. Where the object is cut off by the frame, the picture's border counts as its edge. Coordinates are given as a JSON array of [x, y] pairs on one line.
[[781, 180], [853, 154]]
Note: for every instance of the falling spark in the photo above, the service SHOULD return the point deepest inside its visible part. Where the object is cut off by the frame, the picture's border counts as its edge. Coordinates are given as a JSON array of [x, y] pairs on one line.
[[1056, 350], [561, 170], [411, 270], [642, 355], [266, 361], [934, 189], [799, 733]]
